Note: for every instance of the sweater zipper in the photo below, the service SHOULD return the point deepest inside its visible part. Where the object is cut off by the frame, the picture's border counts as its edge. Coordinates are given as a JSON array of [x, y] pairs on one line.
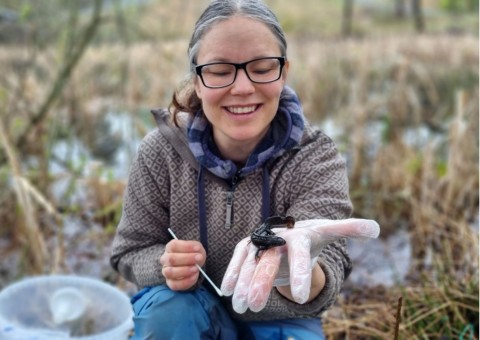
[[229, 207]]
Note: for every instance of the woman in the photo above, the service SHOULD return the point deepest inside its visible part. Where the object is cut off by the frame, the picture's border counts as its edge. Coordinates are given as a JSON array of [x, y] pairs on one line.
[[234, 150]]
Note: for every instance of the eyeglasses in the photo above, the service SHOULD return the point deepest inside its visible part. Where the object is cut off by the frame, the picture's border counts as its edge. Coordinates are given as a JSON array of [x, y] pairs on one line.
[[261, 71]]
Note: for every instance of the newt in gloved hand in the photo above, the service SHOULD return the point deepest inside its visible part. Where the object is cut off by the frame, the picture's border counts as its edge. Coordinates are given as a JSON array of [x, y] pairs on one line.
[[264, 238], [291, 267]]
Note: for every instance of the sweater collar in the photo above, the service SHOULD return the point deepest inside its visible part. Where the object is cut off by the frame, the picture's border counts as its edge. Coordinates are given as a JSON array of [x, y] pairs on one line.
[[285, 132]]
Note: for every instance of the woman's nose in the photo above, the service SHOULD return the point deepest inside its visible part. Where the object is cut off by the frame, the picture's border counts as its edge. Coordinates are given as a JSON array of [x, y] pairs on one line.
[[242, 84]]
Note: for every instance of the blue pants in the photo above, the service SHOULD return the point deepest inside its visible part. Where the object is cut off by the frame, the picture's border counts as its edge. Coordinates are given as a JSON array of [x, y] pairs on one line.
[[160, 313]]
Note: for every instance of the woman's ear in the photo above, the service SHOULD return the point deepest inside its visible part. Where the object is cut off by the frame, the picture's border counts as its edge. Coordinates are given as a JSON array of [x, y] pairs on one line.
[[286, 67], [198, 87]]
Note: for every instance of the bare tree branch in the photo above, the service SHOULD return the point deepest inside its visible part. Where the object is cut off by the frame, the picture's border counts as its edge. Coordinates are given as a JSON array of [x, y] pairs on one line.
[[64, 74]]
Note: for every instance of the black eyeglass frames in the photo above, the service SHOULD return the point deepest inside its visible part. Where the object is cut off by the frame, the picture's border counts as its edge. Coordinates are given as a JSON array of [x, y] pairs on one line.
[[260, 70]]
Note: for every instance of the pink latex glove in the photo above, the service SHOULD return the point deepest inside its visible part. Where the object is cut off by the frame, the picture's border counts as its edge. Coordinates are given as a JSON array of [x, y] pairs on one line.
[[250, 281]]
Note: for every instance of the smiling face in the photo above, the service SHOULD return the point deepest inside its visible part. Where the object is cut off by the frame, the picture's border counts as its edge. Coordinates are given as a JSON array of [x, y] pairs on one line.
[[242, 112]]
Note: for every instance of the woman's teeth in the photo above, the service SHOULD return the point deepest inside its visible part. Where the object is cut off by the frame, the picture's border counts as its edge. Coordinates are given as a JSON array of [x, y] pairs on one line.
[[241, 110]]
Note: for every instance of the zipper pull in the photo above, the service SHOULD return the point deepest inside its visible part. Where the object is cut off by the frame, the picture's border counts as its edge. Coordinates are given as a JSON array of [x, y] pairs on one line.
[[228, 217], [229, 208]]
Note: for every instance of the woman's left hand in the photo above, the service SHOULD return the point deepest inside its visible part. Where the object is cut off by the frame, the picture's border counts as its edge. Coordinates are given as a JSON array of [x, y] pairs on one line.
[[250, 281]]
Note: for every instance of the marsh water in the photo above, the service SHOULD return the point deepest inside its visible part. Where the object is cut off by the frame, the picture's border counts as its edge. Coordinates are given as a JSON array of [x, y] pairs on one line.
[[384, 261]]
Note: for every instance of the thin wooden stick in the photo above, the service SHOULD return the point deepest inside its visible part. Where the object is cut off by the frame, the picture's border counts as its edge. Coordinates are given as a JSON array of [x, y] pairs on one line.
[[398, 317]]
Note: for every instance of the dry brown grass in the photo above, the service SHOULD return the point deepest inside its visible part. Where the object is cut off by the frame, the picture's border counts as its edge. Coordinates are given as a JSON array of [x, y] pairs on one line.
[[30, 234], [426, 312], [433, 191]]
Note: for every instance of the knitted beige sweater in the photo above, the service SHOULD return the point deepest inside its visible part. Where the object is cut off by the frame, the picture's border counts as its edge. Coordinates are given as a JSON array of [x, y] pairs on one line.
[[307, 182]]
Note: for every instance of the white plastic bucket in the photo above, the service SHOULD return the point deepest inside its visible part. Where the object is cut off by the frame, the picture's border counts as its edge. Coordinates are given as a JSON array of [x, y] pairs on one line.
[[25, 310]]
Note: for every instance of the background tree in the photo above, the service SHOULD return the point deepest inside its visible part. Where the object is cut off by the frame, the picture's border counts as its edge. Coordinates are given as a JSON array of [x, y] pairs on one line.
[[417, 12], [347, 19], [400, 9]]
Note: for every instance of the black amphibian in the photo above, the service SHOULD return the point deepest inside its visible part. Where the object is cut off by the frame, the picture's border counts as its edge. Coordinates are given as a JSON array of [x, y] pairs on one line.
[[264, 238]]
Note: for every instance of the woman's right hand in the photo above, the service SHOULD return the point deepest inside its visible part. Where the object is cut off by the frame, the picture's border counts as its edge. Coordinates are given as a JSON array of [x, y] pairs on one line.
[[179, 263]]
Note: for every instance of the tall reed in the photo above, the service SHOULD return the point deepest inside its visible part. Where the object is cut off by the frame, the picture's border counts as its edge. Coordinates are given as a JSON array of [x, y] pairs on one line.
[[30, 235]]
